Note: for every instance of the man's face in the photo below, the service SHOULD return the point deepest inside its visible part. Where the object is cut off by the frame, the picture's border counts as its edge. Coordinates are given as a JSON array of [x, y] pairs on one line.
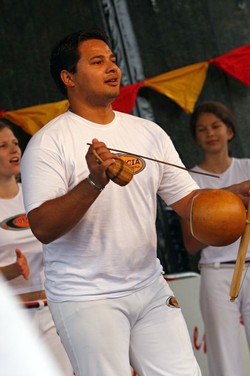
[[97, 77]]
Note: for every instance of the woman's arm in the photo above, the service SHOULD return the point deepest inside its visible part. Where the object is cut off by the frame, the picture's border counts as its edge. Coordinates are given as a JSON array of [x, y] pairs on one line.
[[20, 267]]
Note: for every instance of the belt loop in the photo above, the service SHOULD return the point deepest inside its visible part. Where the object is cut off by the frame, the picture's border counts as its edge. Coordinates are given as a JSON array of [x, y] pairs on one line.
[[41, 304], [217, 265]]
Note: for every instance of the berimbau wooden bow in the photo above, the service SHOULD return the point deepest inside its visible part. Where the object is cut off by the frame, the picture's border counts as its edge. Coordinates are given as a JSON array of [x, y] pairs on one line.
[[240, 261]]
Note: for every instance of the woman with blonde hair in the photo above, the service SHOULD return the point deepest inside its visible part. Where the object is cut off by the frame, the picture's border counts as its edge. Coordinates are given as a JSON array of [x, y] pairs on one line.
[[21, 259]]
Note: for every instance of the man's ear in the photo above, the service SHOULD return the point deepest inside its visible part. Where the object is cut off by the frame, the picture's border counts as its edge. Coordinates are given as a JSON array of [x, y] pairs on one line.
[[67, 78]]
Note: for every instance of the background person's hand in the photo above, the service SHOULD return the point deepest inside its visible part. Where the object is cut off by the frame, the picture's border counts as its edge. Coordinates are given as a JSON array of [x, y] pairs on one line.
[[22, 264], [242, 190]]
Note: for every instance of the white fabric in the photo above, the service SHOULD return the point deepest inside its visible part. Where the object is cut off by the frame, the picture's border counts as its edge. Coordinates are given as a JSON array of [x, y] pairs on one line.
[[44, 329], [15, 233], [238, 171], [139, 328], [112, 250], [223, 319]]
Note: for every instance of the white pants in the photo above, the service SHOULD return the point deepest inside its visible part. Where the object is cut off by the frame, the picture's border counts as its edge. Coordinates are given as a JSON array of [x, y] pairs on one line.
[[42, 320], [222, 320], [102, 338]]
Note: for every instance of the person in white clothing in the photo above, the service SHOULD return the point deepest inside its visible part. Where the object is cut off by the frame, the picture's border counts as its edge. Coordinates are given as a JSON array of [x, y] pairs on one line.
[[21, 352], [109, 300], [213, 127], [17, 268], [21, 259]]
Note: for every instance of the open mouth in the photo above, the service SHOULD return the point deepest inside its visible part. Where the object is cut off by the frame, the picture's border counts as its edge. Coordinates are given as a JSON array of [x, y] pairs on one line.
[[112, 81], [15, 160]]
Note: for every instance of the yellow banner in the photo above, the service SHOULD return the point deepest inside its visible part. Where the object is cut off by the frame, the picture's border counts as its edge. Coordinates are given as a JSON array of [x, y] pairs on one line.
[[181, 85], [31, 119]]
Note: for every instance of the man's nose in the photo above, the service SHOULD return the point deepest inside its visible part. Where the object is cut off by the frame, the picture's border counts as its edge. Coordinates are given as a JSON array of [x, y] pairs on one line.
[[111, 66]]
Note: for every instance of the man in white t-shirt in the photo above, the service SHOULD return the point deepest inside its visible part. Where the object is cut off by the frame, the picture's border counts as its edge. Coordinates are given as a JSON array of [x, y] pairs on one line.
[[104, 284]]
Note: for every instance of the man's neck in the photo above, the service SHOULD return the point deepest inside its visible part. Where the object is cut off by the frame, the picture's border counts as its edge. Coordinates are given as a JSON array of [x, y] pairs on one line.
[[96, 114]]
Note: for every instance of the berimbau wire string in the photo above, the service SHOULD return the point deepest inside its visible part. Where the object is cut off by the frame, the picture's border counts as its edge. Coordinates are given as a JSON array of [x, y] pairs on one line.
[[157, 160]]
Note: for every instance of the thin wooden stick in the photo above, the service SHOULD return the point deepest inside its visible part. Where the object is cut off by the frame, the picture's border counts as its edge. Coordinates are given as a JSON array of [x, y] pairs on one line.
[[167, 163], [97, 156], [240, 262]]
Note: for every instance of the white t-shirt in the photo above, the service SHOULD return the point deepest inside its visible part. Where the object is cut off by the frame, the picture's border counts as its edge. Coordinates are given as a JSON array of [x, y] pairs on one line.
[[15, 233], [238, 171], [111, 252]]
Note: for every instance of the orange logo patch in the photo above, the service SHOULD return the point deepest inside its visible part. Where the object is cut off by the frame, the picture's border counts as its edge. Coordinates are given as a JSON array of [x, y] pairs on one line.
[[172, 302], [16, 223], [137, 163]]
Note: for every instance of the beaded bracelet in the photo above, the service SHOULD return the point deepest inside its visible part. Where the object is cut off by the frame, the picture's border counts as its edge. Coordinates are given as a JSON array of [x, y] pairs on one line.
[[94, 184]]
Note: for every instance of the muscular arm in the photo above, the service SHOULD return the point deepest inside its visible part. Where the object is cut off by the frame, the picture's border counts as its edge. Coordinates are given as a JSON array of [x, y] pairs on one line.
[[56, 217], [191, 244], [182, 208]]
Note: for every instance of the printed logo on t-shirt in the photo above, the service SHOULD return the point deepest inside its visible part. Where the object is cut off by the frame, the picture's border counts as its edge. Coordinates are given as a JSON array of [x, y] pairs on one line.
[[16, 223], [137, 163]]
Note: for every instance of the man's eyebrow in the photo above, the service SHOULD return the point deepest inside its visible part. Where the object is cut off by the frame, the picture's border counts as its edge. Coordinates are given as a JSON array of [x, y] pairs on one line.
[[102, 56], [97, 57]]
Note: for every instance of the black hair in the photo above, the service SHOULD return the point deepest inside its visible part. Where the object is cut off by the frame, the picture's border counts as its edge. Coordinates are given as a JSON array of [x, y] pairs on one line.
[[216, 108], [65, 54]]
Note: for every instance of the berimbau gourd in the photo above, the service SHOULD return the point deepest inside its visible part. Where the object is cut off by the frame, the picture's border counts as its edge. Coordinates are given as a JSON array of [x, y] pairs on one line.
[[120, 172]]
